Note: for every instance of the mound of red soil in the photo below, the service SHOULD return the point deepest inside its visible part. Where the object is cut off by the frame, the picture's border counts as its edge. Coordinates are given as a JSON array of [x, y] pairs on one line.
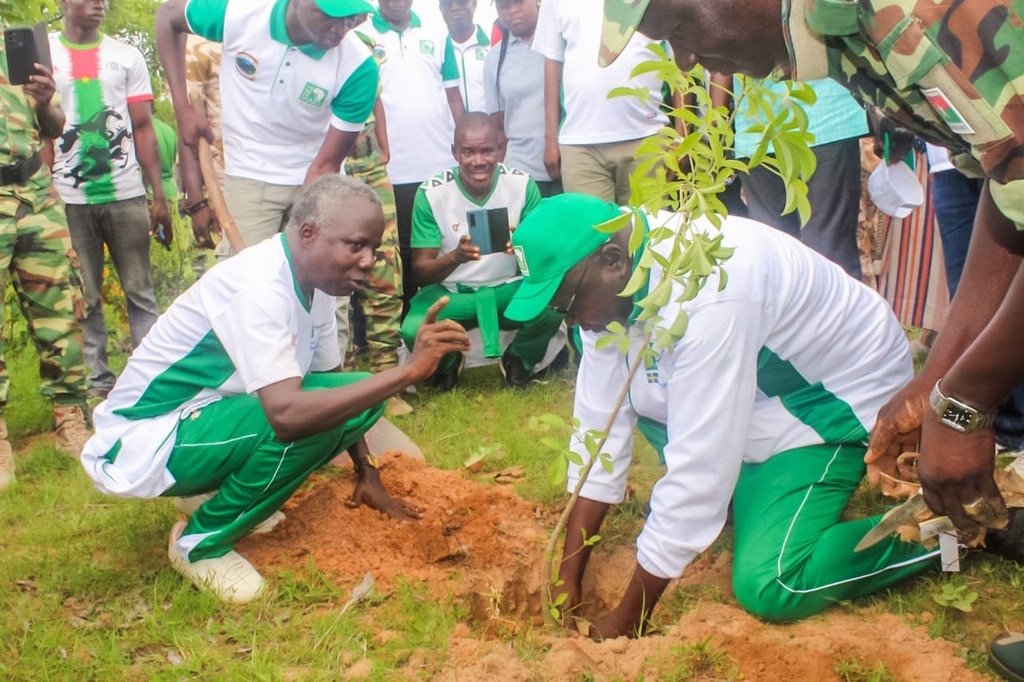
[[485, 544]]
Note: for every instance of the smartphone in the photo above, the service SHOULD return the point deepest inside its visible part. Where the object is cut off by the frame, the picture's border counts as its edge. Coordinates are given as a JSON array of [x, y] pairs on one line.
[[488, 229], [25, 47]]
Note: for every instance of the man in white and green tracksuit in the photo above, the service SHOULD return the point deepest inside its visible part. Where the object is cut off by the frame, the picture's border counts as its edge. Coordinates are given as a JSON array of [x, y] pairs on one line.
[[767, 400], [226, 394]]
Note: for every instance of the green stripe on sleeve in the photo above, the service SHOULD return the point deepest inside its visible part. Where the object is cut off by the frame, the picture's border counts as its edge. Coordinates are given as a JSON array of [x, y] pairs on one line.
[[354, 102], [206, 18], [450, 67], [207, 365], [425, 232], [815, 406]]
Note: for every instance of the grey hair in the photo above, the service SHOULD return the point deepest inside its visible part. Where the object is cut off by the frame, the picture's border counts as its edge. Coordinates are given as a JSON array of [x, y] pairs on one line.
[[325, 200]]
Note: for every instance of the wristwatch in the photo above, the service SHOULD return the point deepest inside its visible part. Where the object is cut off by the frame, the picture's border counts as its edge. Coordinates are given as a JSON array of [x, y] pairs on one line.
[[957, 415]]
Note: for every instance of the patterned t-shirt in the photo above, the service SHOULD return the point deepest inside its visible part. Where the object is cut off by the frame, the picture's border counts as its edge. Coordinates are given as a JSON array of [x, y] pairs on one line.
[[95, 157]]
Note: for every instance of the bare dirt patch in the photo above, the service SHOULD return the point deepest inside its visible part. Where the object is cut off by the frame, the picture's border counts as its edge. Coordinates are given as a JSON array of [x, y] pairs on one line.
[[484, 544]]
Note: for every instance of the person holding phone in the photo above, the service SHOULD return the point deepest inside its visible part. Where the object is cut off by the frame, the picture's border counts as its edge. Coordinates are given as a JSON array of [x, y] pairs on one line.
[[36, 249], [106, 150], [479, 275]]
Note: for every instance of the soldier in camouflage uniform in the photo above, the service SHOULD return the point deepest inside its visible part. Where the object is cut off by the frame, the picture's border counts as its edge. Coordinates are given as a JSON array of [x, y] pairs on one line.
[[202, 79], [952, 72], [35, 248], [381, 300]]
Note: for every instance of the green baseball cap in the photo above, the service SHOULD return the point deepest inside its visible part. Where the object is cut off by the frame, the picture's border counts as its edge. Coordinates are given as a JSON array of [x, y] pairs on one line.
[[621, 17], [337, 9], [555, 236]]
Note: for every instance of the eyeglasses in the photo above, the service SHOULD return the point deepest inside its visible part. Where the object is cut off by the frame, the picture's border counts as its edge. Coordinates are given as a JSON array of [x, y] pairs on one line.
[[564, 312]]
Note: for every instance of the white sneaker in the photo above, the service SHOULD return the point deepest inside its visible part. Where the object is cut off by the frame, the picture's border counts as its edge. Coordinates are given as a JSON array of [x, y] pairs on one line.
[[188, 506], [230, 577]]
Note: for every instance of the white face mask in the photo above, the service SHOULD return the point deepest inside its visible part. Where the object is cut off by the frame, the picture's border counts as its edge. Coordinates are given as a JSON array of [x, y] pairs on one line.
[[895, 189]]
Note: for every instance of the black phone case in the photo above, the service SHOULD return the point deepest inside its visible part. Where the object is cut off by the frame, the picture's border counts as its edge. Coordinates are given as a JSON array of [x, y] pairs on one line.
[[25, 47]]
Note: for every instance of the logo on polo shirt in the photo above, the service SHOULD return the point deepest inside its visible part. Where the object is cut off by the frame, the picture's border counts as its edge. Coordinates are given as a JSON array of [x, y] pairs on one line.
[[481, 54], [427, 47], [313, 95], [455, 227], [247, 65]]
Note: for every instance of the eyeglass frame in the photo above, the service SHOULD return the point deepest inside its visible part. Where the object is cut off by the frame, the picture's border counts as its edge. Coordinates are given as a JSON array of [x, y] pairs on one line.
[[567, 310]]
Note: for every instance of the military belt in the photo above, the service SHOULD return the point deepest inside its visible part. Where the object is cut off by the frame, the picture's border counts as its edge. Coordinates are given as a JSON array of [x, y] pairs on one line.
[[19, 173]]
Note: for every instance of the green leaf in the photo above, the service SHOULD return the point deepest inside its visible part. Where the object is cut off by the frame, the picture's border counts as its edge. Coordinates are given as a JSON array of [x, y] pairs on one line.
[[623, 91], [679, 325], [615, 224], [553, 443], [557, 471]]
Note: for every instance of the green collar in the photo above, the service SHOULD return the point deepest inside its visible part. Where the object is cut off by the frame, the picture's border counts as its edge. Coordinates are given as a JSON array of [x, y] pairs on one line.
[[306, 303], [80, 46], [481, 202], [279, 32], [645, 289], [381, 24]]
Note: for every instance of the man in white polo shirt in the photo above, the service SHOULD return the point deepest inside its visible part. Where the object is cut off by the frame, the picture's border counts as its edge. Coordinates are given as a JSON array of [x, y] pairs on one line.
[[297, 87], [593, 150], [471, 45], [235, 395], [421, 86], [478, 284]]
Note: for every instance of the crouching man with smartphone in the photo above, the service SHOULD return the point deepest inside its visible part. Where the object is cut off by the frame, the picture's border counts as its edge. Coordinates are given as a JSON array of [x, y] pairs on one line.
[[461, 249]]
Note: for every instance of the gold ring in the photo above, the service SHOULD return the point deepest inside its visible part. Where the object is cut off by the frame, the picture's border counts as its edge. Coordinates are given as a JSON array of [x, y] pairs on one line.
[[974, 508]]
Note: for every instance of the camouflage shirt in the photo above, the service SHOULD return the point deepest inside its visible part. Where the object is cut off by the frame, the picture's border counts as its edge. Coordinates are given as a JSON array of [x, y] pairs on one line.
[[950, 70], [202, 78], [19, 139]]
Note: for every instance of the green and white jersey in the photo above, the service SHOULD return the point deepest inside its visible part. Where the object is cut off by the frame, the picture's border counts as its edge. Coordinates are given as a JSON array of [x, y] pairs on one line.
[[243, 326], [416, 66], [439, 221], [470, 57], [793, 352], [281, 98], [95, 157]]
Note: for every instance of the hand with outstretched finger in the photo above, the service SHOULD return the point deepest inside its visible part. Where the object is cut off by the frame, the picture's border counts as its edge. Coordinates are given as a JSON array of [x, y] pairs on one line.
[[434, 339]]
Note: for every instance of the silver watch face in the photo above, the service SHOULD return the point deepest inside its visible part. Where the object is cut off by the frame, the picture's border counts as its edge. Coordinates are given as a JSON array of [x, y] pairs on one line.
[[956, 417]]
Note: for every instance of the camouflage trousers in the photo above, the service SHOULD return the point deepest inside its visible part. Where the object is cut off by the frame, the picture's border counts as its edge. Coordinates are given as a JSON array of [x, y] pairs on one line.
[[381, 300], [35, 251]]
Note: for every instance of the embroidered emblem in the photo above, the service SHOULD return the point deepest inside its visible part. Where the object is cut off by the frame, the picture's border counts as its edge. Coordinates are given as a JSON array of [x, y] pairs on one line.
[[313, 95], [455, 227], [427, 47]]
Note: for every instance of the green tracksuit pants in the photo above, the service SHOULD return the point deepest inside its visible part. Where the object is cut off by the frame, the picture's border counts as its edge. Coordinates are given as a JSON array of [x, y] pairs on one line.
[[229, 446], [484, 308], [793, 556]]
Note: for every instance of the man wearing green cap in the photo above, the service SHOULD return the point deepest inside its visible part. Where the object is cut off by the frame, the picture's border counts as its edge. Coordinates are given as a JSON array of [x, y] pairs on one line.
[[952, 72], [767, 400], [297, 88]]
